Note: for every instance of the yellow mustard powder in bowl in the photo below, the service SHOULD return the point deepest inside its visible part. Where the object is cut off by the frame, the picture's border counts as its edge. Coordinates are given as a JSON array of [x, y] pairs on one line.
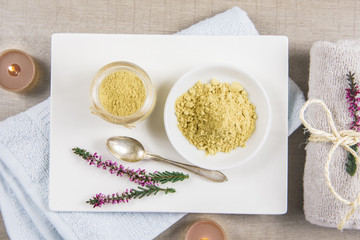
[[216, 117], [122, 93], [220, 123]]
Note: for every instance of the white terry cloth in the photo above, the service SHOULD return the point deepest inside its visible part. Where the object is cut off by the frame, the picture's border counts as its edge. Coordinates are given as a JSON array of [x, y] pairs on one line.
[[329, 64], [24, 160]]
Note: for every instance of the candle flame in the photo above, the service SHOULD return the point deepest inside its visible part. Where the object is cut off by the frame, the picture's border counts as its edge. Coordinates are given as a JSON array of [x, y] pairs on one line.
[[14, 69], [204, 238]]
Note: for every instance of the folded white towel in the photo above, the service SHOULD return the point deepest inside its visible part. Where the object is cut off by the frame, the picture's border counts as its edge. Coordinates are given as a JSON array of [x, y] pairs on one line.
[[24, 159], [329, 64]]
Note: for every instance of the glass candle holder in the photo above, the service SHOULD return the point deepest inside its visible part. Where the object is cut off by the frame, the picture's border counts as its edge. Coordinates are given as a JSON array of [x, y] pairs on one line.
[[129, 120]]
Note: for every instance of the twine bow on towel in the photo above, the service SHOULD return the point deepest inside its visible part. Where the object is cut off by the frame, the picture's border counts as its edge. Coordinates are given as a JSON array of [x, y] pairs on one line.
[[345, 139]]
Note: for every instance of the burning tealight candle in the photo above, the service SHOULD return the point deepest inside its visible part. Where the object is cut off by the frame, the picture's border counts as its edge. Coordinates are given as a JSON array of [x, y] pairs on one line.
[[17, 71], [205, 230]]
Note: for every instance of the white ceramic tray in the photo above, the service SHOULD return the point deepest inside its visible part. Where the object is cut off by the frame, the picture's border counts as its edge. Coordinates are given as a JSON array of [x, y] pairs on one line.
[[256, 187]]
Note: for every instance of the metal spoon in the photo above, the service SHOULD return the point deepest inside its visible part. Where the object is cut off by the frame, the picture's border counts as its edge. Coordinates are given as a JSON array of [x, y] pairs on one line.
[[131, 150]]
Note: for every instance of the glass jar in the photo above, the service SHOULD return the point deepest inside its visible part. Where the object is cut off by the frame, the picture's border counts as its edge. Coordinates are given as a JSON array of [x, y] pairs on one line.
[[130, 120]]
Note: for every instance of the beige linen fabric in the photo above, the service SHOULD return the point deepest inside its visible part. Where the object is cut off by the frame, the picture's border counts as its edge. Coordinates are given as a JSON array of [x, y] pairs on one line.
[[329, 64]]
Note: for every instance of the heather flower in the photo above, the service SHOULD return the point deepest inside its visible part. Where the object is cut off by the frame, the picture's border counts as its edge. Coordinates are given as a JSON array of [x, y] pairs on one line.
[[100, 199], [138, 176], [353, 99], [149, 182]]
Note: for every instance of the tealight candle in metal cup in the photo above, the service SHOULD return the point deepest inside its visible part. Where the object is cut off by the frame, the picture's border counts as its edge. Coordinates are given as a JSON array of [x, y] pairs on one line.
[[205, 230], [18, 71]]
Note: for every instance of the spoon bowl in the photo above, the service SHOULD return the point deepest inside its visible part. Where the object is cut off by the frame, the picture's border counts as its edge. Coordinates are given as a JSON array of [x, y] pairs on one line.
[[125, 148], [131, 150]]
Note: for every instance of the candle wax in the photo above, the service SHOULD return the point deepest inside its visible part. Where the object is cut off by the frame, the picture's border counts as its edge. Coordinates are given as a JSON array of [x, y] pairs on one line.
[[17, 70]]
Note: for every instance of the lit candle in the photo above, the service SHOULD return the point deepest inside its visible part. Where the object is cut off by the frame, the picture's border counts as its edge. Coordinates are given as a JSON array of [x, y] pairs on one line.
[[205, 230], [17, 71]]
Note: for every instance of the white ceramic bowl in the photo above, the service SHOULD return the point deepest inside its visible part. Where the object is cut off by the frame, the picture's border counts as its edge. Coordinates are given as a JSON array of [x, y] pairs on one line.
[[223, 73]]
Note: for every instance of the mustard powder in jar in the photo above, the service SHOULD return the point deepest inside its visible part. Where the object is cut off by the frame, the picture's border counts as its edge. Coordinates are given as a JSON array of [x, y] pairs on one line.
[[122, 93]]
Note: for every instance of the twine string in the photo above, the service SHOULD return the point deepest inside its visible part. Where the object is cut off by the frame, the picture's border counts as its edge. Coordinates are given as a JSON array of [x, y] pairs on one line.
[[345, 139]]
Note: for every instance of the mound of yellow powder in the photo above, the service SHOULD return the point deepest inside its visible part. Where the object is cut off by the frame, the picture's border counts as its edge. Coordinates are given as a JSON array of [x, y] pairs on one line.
[[216, 117], [122, 93]]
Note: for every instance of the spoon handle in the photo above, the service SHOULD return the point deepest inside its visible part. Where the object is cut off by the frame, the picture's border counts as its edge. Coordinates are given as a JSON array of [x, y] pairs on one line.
[[213, 175]]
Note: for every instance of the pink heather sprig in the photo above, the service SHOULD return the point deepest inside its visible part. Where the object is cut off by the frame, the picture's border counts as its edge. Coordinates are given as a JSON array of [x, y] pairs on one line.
[[137, 176], [100, 199], [353, 99], [148, 182]]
